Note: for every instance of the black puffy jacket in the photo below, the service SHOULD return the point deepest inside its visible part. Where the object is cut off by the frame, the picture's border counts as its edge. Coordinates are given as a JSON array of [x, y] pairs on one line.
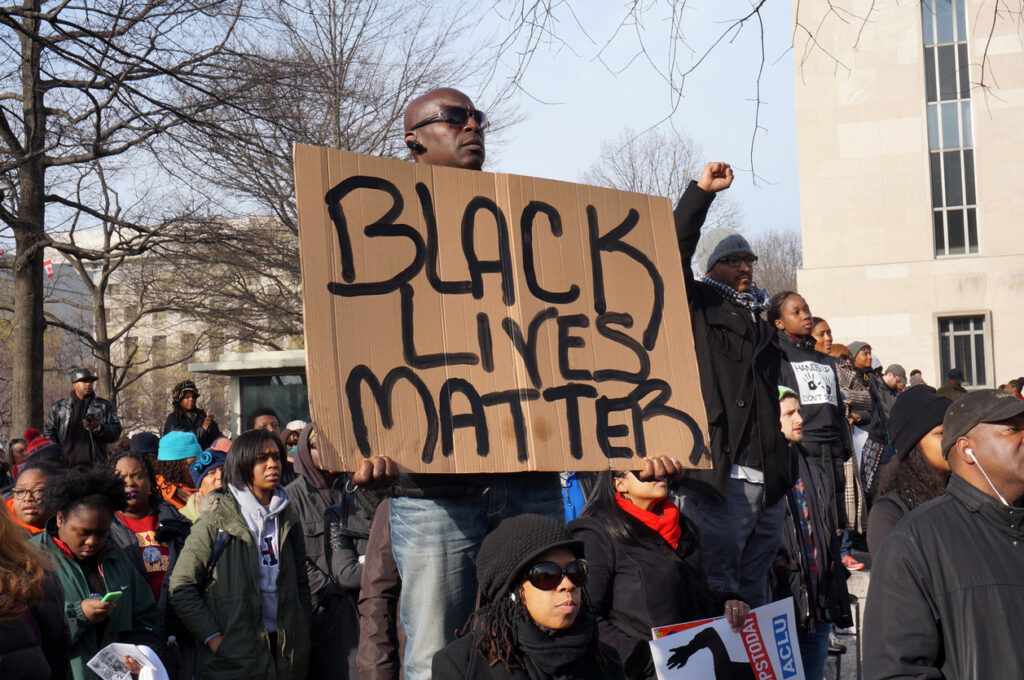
[[947, 594], [739, 360]]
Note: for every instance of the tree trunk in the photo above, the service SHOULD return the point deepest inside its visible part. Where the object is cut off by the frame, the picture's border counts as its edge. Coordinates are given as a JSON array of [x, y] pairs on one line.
[[30, 238], [27, 341]]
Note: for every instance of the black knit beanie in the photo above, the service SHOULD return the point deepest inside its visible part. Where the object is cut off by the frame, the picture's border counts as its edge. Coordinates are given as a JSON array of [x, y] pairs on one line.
[[508, 550], [914, 414]]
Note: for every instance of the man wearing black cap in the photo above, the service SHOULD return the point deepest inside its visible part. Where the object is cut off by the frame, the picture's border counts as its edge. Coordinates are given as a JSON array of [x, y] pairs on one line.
[[947, 592], [738, 504], [82, 423], [953, 389]]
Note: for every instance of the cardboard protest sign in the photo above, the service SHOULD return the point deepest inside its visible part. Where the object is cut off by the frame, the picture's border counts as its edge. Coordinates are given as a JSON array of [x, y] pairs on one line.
[[766, 648], [464, 321]]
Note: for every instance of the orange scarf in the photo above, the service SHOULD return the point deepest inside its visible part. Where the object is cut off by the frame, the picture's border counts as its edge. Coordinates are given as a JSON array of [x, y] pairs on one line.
[[663, 517], [175, 494]]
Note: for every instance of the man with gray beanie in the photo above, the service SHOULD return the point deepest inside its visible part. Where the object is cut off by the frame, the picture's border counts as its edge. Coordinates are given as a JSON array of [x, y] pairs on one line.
[[738, 504], [947, 591]]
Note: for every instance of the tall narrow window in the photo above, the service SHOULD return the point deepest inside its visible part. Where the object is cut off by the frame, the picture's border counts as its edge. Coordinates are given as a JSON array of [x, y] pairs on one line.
[[962, 345], [947, 86]]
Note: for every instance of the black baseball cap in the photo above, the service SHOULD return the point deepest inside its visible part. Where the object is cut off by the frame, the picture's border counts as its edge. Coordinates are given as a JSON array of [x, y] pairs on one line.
[[83, 375], [980, 406]]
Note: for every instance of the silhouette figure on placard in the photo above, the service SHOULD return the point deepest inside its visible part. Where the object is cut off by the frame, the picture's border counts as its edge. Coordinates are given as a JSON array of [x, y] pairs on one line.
[[725, 667]]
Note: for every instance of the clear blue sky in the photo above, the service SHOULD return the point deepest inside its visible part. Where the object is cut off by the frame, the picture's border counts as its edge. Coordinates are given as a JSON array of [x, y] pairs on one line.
[[586, 103]]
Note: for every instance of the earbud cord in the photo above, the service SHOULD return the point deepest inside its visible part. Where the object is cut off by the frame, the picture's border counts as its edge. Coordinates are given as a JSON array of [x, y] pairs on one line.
[[978, 463]]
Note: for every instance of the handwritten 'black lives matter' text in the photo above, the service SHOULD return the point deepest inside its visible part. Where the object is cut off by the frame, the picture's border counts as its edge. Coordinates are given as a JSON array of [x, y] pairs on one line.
[[645, 401]]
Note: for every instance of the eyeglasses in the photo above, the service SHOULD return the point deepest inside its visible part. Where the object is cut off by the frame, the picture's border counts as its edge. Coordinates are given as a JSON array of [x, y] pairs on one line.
[[547, 575], [455, 115], [23, 494], [736, 260]]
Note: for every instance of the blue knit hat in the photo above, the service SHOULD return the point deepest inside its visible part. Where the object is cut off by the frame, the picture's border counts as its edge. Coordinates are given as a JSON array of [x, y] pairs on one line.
[[208, 461], [178, 446]]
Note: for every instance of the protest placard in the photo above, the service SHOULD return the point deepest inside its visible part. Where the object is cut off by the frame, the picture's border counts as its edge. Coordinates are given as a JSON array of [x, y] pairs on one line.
[[464, 321], [765, 649]]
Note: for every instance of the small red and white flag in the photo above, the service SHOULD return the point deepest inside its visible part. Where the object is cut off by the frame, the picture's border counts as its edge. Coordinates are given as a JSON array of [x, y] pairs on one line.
[[48, 266]]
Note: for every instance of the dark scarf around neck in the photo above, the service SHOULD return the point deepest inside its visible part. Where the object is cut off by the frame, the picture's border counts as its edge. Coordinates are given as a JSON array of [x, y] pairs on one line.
[[552, 654]]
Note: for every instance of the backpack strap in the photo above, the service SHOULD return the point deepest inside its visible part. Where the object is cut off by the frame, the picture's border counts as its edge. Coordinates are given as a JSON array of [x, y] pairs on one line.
[[218, 547]]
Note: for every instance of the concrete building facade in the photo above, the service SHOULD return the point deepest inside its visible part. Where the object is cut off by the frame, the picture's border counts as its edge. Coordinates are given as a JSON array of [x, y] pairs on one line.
[[910, 123]]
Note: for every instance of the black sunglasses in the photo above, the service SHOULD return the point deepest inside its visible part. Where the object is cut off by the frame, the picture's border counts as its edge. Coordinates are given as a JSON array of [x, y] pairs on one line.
[[455, 115], [547, 575]]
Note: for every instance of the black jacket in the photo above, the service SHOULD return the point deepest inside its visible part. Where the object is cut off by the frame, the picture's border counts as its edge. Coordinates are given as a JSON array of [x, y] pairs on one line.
[[193, 422], [59, 418], [173, 529], [23, 656], [886, 512], [947, 593], [812, 375], [311, 508], [739, 359], [347, 527], [635, 587], [824, 596]]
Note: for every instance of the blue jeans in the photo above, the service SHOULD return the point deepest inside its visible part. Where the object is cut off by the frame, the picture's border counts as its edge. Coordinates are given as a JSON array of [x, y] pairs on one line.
[[435, 542], [814, 650], [738, 538]]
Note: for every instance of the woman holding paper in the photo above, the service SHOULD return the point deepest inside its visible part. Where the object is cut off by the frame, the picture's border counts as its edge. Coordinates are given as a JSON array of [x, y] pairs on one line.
[[644, 567], [106, 599]]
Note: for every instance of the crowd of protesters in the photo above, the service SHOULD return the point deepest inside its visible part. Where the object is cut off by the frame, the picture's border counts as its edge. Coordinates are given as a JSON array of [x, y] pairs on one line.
[[246, 556]]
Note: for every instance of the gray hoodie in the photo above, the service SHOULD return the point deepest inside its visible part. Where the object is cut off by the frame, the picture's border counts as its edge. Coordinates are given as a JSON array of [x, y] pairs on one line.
[[264, 525]]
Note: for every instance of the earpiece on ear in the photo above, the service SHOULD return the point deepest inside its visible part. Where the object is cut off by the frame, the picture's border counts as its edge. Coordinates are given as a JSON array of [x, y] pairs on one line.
[[512, 596], [970, 452], [415, 146]]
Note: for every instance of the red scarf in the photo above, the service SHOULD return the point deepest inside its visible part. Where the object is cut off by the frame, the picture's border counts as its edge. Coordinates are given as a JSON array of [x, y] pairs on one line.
[[664, 519]]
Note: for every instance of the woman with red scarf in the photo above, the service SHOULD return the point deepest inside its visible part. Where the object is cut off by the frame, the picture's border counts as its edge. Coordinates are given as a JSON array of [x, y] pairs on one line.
[[645, 568]]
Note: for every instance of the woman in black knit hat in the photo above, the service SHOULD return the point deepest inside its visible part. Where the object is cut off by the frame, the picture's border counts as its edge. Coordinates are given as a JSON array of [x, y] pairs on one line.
[[535, 623], [187, 417], [918, 473]]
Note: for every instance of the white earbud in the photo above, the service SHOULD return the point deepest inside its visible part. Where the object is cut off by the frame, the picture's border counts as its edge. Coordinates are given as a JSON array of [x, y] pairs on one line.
[[512, 596], [970, 453]]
